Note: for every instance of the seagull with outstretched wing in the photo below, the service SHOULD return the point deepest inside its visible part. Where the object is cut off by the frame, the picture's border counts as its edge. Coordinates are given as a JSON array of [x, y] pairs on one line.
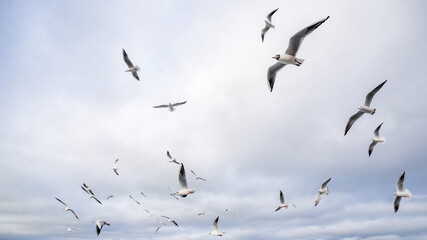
[[171, 106], [268, 24], [131, 68]]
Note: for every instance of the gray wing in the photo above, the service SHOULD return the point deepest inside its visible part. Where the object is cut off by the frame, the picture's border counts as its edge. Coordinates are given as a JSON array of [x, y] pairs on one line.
[[282, 199], [371, 94], [326, 183], [377, 130], [135, 75], [215, 224], [173, 221], [169, 155], [179, 103], [351, 121], [90, 191], [371, 147], [263, 31], [74, 214], [115, 170], [85, 190], [317, 199], [110, 197], [115, 162], [61, 202], [271, 14], [161, 106], [399, 184], [97, 200], [271, 74], [202, 179], [193, 173], [126, 58], [296, 40], [182, 178], [397, 203]]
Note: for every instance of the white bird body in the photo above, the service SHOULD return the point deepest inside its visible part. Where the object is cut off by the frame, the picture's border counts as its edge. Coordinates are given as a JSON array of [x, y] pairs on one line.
[[269, 24], [185, 192], [400, 192], [406, 193], [133, 69], [367, 109], [171, 159], [289, 59], [323, 191], [282, 203], [378, 139]]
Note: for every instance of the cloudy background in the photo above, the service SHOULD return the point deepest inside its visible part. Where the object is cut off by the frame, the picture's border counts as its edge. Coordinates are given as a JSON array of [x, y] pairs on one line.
[[68, 111]]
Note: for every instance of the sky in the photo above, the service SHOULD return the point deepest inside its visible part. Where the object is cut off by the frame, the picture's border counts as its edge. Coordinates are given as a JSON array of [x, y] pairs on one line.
[[68, 110]]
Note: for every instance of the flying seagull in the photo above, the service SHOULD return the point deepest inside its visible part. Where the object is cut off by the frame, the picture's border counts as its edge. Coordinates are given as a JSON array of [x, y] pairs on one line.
[[170, 106], [365, 108], [324, 190], [99, 225], [171, 220], [171, 159], [282, 203], [215, 231], [376, 139], [87, 189], [268, 24], [134, 200], [67, 208], [110, 197], [90, 193], [200, 214], [197, 177], [157, 230], [172, 194], [400, 192], [131, 67], [148, 213], [115, 168], [289, 57], [143, 194], [184, 191]]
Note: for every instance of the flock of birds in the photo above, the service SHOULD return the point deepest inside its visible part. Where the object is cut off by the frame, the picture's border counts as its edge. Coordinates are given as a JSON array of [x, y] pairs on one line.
[[289, 57]]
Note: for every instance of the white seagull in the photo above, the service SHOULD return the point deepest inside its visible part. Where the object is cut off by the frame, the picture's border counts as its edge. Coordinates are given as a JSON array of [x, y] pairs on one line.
[[115, 168], [170, 106], [134, 200], [324, 190], [268, 24], [365, 108], [171, 159], [215, 231], [90, 193], [148, 213], [184, 191], [376, 139], [67, 208], [171, 220], [131, 67], [99, 225], [197, 177], [400, 192], [143, 194], [289, 57], [282, 203]]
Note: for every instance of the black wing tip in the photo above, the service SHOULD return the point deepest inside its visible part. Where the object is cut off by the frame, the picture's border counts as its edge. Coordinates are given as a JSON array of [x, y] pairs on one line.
[[370, 152], [327, 18]]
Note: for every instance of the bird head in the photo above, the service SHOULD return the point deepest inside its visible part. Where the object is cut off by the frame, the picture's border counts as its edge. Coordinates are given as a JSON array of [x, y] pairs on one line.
[[277, 57]]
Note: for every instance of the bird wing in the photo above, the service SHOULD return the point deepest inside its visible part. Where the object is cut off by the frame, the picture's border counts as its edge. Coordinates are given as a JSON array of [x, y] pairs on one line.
[[165, 216], [326, 183], [278, 208], [202, 179], [98, 229], [110, 197], [173, 221], [397, 203], [271, 14], [399, 184], [182, 178], [371, 94], [215, 224], [193, 173], [161, 106], [61, 202], [371, 147], [282, 199], [134, 200], [351, 121], [264, 31], [177, 104], [88, 191], [377, 130], [169, 155], [296, 40], [317, 199], [97, 200], [157, 229], [126, 58], [135, 75], [293, 205], [115, 162], [74, 214], [115, 170], [84, 189], [271, 73]]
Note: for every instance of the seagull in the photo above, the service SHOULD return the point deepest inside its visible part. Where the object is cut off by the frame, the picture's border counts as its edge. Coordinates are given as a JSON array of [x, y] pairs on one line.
[[148, 213], [134, 200], [324, 190], [143, 194], [131, 68], [99, 225], [157, 230], [376, 139], [115, 168], [268, 24], [200, 214], [400, 192], [90, 193], [172, 194], [197, 177], [87, 189], [171, 159], [171, 220], [110, 197], [231, 210], [365, 108], [184, 191], [67, 208], [170, 106], [215, 231], [282, 203], [289, 57]]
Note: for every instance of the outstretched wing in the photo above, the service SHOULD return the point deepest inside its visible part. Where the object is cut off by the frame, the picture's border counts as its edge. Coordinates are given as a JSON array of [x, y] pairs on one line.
[[351, 121], [399, 184], [161, 106], [271, 14], [135, 75], [75, 214], [61, 202], [126, 58], [397, 203], [182, 178], [282, 199], [296, 40], [169, 155], [263, 31], [371, 147], [271, 74], [177, 104], [97, 200], [326, 183], [377, 130], [215, 224], [371, 94], [317, 199]]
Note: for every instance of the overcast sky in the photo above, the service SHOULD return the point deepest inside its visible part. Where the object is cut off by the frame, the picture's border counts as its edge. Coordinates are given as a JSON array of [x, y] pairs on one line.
[[68, 110]]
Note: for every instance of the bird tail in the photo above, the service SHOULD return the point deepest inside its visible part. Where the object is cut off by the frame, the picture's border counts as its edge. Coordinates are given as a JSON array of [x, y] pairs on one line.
[[382, 140], [137, 68], [408, 193], [300, 60]]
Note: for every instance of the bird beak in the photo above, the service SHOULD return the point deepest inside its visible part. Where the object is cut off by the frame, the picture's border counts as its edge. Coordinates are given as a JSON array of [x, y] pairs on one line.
[[274, 57]]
